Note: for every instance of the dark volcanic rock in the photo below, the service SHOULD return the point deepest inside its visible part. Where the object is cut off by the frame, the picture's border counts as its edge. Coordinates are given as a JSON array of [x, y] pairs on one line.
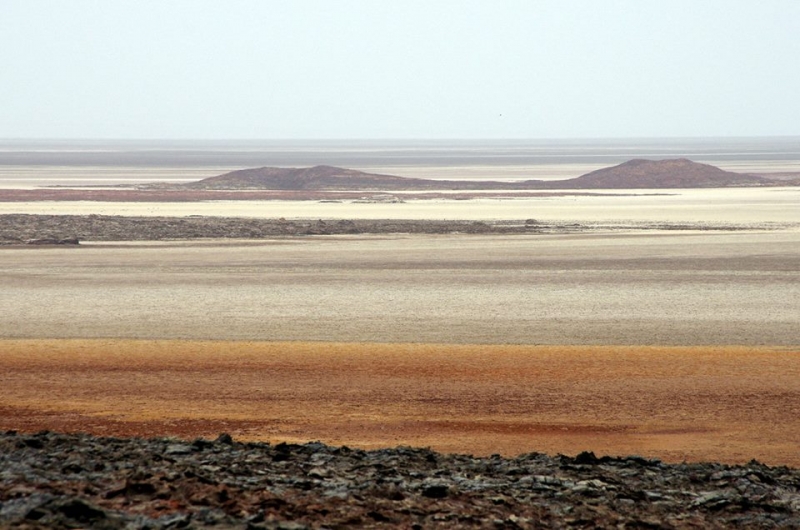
[[17, 229], [70, 229], [79, 481]]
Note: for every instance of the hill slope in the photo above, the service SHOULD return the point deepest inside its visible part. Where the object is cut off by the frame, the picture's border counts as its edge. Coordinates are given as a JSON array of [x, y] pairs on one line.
[[310, 178], [634, 174], [672, 173]]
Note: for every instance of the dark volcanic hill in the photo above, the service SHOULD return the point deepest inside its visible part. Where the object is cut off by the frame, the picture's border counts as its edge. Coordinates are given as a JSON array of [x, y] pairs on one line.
[[310, 178], [634, 174], [673, 173]]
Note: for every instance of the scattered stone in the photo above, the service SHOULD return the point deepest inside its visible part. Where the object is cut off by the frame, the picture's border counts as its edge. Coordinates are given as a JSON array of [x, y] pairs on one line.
[[52, 480], [587, 458], [224, 438], [178, 449], [435, 491]]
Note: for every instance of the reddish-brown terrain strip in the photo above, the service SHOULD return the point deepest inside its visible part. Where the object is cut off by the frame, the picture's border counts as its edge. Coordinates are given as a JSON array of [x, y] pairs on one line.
[[730, 404]]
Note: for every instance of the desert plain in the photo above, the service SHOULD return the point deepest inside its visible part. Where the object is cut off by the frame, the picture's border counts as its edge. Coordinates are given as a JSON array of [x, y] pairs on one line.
[[620, 343], [664, 325]]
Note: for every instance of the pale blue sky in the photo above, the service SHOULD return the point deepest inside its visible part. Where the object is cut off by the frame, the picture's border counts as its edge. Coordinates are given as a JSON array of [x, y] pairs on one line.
[[398, 69]]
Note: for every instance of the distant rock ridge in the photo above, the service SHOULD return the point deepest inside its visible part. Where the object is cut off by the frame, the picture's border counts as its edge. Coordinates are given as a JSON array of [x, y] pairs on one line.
[[633, 174]]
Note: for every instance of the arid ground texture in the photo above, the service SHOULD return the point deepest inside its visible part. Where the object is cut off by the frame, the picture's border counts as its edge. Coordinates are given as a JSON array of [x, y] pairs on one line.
[[700, 403], [675, 345], [662, 323]]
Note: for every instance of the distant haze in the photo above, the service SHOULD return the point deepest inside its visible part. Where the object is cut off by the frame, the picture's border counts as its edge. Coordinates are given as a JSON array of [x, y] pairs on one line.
[[370, 69]]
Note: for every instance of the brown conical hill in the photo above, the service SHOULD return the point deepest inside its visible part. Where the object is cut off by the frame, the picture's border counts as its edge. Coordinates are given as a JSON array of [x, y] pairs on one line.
[[306, 178], [659, 174]]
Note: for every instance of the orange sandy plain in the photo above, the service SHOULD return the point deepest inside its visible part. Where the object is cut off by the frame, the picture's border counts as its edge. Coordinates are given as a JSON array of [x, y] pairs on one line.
[[674, 403], [371, 341]]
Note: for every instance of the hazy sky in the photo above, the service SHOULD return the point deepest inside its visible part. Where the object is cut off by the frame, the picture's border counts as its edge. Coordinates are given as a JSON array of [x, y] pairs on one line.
[[398, 69]]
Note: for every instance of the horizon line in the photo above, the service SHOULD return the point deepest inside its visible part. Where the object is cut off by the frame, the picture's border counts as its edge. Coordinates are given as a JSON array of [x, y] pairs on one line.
[[390, 139]]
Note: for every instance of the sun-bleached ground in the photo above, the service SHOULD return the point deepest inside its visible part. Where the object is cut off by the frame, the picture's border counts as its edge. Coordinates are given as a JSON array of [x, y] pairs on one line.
[[757, 206], [653, 288], [31, 177], [73, 320], [700, 403]]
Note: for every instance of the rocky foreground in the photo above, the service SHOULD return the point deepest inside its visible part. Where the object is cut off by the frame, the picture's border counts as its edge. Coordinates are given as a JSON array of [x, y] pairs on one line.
[[50, 480]]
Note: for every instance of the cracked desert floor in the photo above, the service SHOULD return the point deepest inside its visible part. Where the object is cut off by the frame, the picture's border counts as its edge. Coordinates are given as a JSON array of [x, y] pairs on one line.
[[676, 345]]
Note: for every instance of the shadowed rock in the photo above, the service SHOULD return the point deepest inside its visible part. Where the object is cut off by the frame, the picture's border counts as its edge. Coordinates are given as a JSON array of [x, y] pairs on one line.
[[139, 483]]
